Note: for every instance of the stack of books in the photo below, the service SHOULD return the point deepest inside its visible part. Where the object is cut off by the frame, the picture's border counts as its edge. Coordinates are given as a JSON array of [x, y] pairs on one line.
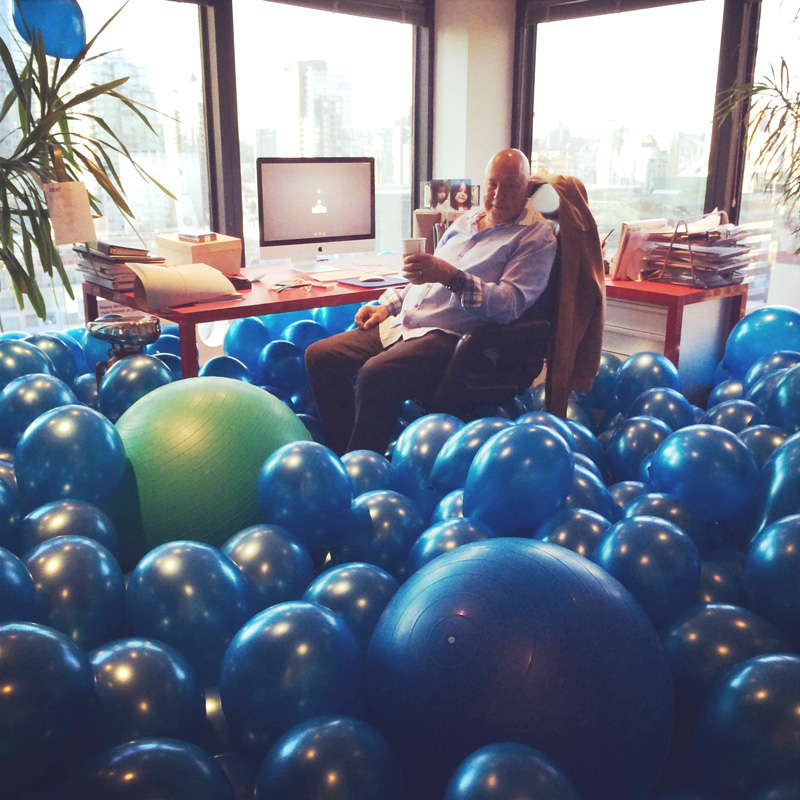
[[105, 264]]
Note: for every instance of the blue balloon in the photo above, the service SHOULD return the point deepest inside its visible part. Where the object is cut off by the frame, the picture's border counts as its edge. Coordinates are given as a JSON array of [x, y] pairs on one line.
[[730, 389], [602, 395], [444, 537], [586, 442], [453, 461], [304, 402], [777, 360], [778, 492], [519, 478], [757, 334], [274, 563], [144, 688], [589, 492], [707, 467], [69, 452], [301, 763], [641, 372], [590, 466], [85, 389], [383, 526], [65, 366], [335, 319], [281, 364], [172, 363], [129, 380], [655, 561], [60, 23], [556, 424], [199, 623], [94, 350], [719, 583], [634, 440], [17, 600], [304, 332], [166, 343], [449, 507], [18, 358], [75, 349], [288, 664], [509, 770], [577, 529], [241, 770], [734, 415], [10, 516], [68, 518], [26, 398], [358, 593], [784, 402], [245, 339], [761, 441], [667, 405], [368, 471], [304, 488], [13, 335], [762, 395], [314, 427], [169, 769], [225, 367]]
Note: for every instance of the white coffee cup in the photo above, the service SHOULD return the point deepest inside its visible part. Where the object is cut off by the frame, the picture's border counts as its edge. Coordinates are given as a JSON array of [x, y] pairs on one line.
[[408, 246]]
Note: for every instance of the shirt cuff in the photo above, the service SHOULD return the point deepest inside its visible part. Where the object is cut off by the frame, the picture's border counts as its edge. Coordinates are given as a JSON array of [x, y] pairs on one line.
[[393, 300], [469, 290]]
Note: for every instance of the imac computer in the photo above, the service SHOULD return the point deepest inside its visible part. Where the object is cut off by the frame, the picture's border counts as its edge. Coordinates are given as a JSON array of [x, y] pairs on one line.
[[312, 208]]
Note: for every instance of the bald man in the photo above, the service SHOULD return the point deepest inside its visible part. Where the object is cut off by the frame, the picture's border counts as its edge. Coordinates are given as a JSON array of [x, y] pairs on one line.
[[491, 265]]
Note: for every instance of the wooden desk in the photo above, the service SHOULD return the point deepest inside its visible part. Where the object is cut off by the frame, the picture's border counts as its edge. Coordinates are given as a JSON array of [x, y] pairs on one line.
[[257, 301], [689, 326]]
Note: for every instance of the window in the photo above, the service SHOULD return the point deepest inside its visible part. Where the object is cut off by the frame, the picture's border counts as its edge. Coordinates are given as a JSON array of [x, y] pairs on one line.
[[314, 83]]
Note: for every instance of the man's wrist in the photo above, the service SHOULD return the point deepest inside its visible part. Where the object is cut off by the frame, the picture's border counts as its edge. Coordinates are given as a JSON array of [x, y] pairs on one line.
[[458, 282]]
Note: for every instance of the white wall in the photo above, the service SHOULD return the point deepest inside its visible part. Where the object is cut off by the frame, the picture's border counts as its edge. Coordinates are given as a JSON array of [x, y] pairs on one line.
[[473, 66]]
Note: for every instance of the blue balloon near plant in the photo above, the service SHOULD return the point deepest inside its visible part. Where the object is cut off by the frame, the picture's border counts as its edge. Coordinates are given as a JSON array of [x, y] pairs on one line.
[[286, 665], [358, 593], [17, 599], [778, 493], [667, 405], [368, 471], [69, 452], [301, 763], [509, 770], [641, 372], [18, 358], [129, 380], [449, 507], [85, 390], [304, 332], [25, 399], [730, 389], [444, 537], [68, 518], [64, 365], [761, 441], [245, 339], [225, 367], [577, 529], [199, 623], [757, 334], [60, 23], [274, 563]]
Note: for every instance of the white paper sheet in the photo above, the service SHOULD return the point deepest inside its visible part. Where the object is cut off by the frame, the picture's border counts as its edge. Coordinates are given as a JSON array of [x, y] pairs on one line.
[[158, 287]]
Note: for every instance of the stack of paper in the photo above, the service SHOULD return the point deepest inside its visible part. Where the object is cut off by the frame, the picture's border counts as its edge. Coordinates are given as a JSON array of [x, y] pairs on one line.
[[158, 287], [107, 264]]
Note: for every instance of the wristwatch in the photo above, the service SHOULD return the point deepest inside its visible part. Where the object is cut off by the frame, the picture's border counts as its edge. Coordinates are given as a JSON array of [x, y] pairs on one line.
[[459, 283]]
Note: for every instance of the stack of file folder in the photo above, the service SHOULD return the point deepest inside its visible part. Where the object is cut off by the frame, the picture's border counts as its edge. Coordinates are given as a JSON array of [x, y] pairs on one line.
[[106, 264]]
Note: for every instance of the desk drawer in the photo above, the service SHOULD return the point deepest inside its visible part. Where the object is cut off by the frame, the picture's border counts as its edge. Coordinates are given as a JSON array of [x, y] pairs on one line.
[[637, 317], [625, 342]]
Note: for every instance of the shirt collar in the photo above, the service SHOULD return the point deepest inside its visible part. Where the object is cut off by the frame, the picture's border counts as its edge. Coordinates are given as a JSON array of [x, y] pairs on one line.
[[527, 216]]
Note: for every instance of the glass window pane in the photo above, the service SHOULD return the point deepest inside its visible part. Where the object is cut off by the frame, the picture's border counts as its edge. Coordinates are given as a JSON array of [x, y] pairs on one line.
[[313, 83], [619, 104]]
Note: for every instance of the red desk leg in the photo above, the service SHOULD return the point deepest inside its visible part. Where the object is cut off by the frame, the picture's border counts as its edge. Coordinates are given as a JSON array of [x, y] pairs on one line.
[[89, 306], [188, 337]]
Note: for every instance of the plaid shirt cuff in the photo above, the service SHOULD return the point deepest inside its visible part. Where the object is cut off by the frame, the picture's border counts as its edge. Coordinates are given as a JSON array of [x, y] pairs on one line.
[[393, 300], [470, 291]]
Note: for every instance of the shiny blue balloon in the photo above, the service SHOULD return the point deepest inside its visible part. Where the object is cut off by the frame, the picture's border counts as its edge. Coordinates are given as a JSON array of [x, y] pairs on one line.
[[655, 561], [166, 343], [314, 427], [192, 597], [129, 380], [18, 358], [226, 367], [304, 332], [172, 363], [274, 563], [586, 442], [64, 364], [577, 529], [335, 319], [719, 583], [578, 413], [590, 466], [94, 350], [358, 593], [69, 452], [75, 348], [444, 537], [641, 372], [13, 335], [509, 770], [449, 507], [281, 364], [241, 771], [415, 455], [85, 389], [778, 493], [368, 471], [68, 518], [634, 440], [708, 468], [520, 477], [456, 456], [783, 405], [304, 488], [10, 516], [734, 415], [245, 339], [288, 664], [758, 333], [772, 362], [382, 527], [168, 769], [762, 395], [547, 420], [602, 395], [26, 398], [667, 405], [304, 402], [730, 389], [79, 589], [17, 599], [772, 575], [782, 790], [589, 492], [761, 441], [144, 688], [60, 23], [301, 763]]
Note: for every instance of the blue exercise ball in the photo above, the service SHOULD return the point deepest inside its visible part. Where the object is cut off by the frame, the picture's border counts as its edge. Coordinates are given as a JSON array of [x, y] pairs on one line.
[[778, 492], [577, 529], [17, 597], [507, 770], [245, 339], [301, 764], [368, 471], [667, 405], [60, 23], [443, 537], [144, 688], [519, 478], [172, 363], [10, 516], [191, 596], [274, 563], [169, 769], [65, 366], [129, 380], [655, 561], [69, 452], [286, 665], [281, 364], [304, 332], [18, 358], [75, 348], [25, 399], [304, 488], [357, 592], [771, 577], [783, 405], [761, 441], [730, 389], [166, 343], [602, 395], [708, 468], [719, 583], [634, 440], [453, 461], [643, 371], [734, 415], [449, 507], [473, 644], [79, 589], [757, 334], [85, 390], [589, 492], [225, 367], [381, 529]]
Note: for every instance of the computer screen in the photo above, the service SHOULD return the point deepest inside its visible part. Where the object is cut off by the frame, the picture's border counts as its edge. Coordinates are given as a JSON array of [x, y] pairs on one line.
[[314, 207]]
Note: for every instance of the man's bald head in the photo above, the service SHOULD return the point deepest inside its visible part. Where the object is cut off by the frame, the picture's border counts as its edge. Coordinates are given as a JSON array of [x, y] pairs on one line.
[[506, 186]]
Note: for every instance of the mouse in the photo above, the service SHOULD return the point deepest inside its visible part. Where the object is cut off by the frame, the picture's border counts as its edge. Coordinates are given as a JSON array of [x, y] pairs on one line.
[[371, 279]]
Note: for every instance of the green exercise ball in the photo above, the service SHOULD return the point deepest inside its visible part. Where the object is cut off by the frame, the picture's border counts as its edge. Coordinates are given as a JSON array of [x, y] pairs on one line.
[[194, 449]]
